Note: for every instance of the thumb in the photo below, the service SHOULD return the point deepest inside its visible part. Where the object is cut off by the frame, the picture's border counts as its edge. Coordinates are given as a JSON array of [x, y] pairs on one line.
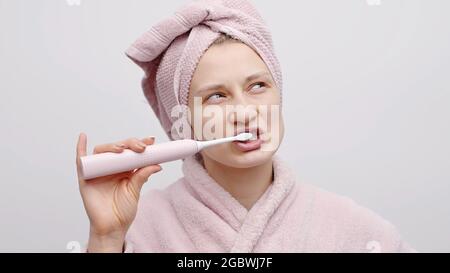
[[141, 175]]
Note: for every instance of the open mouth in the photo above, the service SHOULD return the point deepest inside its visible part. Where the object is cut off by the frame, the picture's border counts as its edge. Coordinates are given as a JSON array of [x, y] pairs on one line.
[[255, 133], [252, 144]]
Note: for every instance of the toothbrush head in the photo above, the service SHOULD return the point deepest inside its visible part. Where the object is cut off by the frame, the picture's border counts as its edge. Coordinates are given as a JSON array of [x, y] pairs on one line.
[[243, 136]]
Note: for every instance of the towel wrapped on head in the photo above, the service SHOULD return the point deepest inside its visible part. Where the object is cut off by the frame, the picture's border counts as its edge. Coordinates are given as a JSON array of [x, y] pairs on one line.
[[170, 51]]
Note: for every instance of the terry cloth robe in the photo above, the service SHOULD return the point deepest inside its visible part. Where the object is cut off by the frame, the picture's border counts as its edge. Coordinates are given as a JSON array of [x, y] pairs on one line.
[[195, 214]]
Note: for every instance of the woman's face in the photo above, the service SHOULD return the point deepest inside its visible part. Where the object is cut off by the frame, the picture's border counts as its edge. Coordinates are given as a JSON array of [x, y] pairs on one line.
[[233, 91]]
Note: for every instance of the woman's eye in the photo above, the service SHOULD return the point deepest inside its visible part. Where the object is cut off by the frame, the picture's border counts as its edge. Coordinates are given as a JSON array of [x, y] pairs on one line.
[[214, 98], [258, 86]]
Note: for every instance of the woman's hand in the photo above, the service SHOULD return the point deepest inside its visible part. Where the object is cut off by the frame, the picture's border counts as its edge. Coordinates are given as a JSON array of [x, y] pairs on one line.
[[111, 201]]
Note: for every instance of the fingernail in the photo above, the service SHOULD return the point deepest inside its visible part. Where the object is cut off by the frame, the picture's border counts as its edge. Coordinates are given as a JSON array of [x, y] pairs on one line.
[[121, 145], [141, 145]]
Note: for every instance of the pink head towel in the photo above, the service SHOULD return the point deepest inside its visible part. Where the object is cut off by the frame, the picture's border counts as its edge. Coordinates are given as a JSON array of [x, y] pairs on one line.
[[170, 51]]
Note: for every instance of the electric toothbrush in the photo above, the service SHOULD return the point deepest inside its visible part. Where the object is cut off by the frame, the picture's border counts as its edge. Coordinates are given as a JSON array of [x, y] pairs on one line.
[[108, 163]]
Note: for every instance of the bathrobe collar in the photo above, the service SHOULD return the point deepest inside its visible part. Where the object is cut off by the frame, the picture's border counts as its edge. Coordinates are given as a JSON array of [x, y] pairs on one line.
[[249, 224]]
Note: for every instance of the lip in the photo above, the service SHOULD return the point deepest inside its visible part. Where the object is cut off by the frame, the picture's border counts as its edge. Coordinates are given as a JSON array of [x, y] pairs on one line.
[[249, 145], [255, 131]]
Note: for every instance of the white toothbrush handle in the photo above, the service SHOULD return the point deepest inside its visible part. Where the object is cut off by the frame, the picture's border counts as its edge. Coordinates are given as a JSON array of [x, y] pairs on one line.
[[108, 163]]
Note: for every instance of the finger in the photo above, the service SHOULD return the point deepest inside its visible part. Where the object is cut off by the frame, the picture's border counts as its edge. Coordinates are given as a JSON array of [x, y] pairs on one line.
[[148, 140], [111, 177], [141, 176], [109, 147], [81, 151], [135, 144]]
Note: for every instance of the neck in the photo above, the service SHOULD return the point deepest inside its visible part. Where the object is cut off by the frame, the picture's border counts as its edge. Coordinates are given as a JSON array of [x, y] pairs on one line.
[[246, 185]]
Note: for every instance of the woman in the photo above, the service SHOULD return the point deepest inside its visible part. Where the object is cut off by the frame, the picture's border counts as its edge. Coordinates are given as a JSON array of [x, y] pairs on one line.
[[234, 197]]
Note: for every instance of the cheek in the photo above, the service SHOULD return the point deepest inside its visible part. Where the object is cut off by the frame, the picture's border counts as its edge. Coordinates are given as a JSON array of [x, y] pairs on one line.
[[271, 122], [220, 153], [274, 97], [209, 123], [269, 97]]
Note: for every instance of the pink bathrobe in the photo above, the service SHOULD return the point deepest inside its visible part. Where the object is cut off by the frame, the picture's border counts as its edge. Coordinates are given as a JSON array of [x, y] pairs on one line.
[[195, 214]]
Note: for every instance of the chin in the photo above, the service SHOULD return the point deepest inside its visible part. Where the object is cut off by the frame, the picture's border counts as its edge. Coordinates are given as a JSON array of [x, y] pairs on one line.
[[251, 159], [232, 157]]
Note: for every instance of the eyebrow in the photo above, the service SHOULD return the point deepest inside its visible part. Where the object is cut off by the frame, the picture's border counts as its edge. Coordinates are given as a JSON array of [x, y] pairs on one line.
[[217, 86]]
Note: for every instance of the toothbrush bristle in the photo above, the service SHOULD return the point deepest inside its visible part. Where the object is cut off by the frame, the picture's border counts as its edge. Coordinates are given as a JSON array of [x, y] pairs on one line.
[[244, 136]]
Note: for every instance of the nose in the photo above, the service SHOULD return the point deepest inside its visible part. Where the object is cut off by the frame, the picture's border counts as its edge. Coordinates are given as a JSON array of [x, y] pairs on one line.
[[242, 114]]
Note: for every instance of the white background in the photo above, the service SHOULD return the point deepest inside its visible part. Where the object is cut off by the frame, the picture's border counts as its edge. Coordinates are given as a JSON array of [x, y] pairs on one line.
[[366, 103]]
